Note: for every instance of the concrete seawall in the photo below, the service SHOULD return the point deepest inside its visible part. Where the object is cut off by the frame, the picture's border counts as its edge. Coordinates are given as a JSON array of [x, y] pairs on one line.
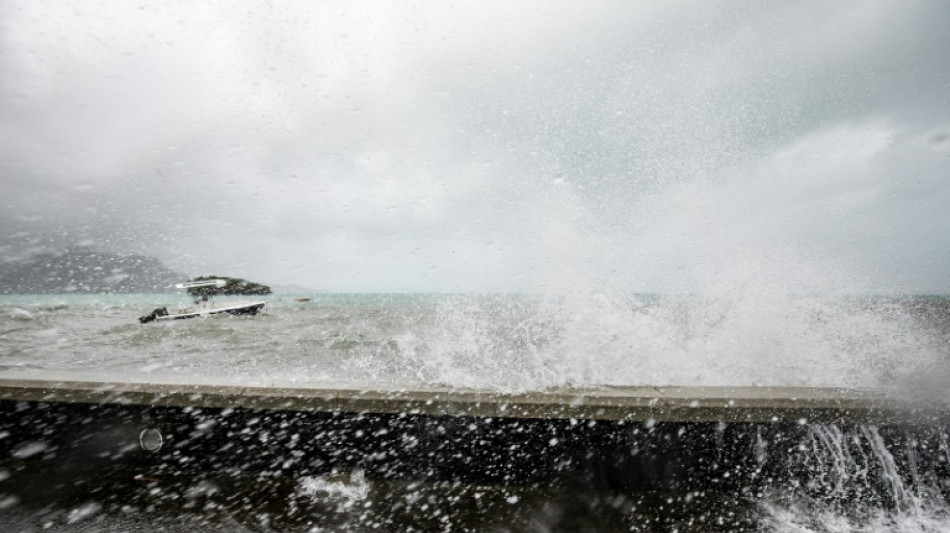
[[59, 435], [621, 404]]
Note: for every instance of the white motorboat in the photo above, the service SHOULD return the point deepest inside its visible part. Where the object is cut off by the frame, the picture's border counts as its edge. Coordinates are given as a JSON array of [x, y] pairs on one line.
[[203, 305]]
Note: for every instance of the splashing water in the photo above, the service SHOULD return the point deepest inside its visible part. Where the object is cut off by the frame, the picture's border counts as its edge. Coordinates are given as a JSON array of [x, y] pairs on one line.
[[851, 481], [600, 339], [503, 342]]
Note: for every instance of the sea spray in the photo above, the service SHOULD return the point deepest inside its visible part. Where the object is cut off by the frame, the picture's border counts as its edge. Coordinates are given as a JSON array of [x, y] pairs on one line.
[[594, 339], [860, 478]]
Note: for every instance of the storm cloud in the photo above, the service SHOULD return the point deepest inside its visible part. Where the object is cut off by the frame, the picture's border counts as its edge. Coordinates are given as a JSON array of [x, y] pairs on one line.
[[449, 146]]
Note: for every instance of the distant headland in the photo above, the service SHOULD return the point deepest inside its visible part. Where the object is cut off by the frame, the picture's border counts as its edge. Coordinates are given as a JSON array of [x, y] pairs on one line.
[[79, 270]]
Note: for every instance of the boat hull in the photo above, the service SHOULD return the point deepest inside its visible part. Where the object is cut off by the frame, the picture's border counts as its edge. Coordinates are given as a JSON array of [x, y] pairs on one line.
[[204, 309]]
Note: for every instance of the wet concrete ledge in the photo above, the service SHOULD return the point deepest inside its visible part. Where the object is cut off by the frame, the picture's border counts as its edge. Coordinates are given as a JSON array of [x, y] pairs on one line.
[[784, 405]]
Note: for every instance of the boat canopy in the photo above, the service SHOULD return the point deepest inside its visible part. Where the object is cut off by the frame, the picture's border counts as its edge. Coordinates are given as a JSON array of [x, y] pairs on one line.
[[202, 283]]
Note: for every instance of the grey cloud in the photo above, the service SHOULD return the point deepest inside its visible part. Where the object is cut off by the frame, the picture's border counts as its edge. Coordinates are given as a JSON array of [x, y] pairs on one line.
[[438, 146]]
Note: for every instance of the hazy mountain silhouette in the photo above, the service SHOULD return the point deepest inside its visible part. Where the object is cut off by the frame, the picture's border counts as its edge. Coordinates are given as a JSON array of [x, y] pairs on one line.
[[79, 270]]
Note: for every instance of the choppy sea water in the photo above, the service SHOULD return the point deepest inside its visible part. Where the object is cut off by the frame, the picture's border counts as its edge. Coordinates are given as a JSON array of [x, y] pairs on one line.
[[496, 342], [516, 343]]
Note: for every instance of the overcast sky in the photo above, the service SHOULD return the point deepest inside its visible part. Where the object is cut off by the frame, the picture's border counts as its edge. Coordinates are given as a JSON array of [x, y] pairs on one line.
[[486, 146]]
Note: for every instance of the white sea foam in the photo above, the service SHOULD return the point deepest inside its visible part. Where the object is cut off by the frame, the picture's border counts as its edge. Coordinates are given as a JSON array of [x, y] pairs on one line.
[[782, 519]]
